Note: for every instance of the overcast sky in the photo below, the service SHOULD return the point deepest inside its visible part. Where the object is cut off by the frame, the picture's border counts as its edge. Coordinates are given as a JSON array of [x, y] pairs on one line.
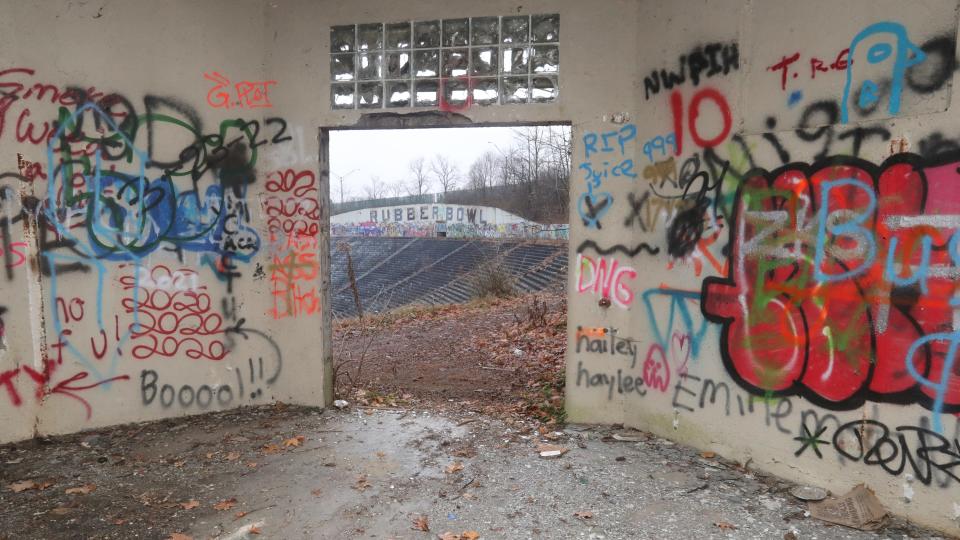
[[359, 155]]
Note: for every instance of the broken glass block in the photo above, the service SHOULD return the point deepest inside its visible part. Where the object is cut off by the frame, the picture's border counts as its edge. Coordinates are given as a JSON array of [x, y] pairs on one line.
[[455, 62], [485, 91], [515, 60], [426, 63], [484, 60], [341, 96], [426, 93], [426, 34], [515, 29], [544, 89], [398, 94], [514, 90], [455, 92], [342, 67], [485, 30], [341, 39], [456, 32], [546, 59], [370, 95], [370, 37], [369, 66], [398, 35], [546, 28], [398, 65]]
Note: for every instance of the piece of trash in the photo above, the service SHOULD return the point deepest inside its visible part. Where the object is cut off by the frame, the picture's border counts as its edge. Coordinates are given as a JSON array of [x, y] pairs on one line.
[[809, 493], [340, 403], [517, 352], [627, 438], [551, 450], [859, 508]]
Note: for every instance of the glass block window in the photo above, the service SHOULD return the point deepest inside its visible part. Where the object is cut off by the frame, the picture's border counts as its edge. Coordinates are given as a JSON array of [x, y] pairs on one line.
[[449, 63]]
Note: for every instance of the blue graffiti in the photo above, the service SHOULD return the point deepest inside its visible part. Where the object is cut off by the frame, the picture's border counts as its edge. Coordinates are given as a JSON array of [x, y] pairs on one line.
[[896, 50], [941, 387], [852, 229], [662, 144], [678, 306], [127, 217]]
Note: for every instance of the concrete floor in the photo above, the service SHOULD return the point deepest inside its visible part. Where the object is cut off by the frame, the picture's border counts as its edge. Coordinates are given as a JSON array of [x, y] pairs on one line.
[[370, 473]]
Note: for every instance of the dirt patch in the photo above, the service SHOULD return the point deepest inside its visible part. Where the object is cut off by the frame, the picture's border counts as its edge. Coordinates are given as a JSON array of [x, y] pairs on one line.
[[500, 356]]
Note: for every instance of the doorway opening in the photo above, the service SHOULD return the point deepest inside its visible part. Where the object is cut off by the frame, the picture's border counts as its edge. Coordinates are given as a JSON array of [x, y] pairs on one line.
[[448, 262]]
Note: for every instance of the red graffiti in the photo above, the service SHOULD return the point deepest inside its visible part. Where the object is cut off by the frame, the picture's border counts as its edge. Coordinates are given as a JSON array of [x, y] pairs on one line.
[[693, 114], [173, 320], [817, 65], [252, 95], [16, 87], [293, 275], [292, 206], [837, 271], [44, 378]]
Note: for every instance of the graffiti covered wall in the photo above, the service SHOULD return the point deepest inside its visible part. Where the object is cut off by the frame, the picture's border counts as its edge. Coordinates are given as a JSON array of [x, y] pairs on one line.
[[763, 223], [159, 232], [767, 253]]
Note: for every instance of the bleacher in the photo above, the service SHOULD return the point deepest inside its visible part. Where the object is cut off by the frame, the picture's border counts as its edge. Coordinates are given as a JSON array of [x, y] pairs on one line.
[[394, 272]]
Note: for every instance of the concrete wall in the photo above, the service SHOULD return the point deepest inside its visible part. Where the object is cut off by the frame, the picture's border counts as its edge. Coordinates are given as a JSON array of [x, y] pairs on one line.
[[779, 235], [781, 268], [148, 272]]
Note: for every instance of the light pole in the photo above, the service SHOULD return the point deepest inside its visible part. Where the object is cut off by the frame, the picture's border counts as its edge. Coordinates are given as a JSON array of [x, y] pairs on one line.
[[341, 177]]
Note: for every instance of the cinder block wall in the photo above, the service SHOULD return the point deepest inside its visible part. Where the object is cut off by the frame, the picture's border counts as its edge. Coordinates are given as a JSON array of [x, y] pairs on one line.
[[762, 225]]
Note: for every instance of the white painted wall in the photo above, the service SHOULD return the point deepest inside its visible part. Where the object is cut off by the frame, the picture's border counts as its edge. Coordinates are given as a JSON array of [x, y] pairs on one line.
[[429, 213]]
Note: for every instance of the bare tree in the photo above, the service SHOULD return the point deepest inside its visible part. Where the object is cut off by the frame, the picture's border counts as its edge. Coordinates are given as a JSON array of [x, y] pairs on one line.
[[446, 172], [420, 181], [376, 189], [483, 171], [396, 188]]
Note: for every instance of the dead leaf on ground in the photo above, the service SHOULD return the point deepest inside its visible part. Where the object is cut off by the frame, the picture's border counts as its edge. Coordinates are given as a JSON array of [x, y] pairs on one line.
[[316, 492], [179, 536], [252, 464], [44, 485], [381, 455], [254, 530], [239, 515], [453, 467], [85, 489], [226, 504], [420, 523], [583, 515], [725, 525], [708, 455], [62, 510], [210, 455], [233, 455], [189, 505], [362, 483], [294, 441], [271, 449], [179, 464], [119, 521], [23, 485], [469, 535], [448, 536]]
